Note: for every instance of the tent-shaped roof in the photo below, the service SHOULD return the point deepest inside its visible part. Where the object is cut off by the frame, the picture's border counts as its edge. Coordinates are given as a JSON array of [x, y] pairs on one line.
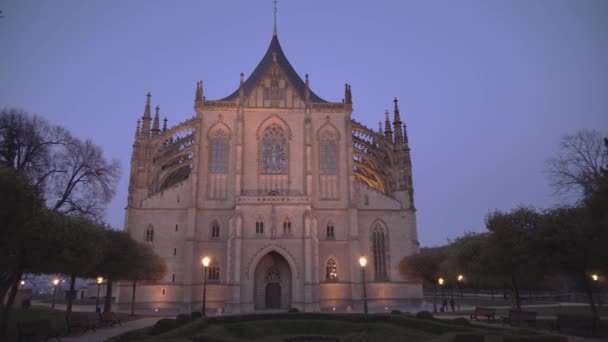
[[274, 52]]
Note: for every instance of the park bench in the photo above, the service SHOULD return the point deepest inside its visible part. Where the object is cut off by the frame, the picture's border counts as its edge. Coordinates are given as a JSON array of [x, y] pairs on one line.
[[484, 312], [109, 318], [527, 317], [575, 325], [312, 339], [36, 330], [81, 322]]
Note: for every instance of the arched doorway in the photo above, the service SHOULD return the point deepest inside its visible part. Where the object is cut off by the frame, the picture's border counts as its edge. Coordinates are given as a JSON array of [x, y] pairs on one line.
[[272, 287]]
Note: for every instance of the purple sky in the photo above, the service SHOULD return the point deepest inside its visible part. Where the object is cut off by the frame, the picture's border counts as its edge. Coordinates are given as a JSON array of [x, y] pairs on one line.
[[487, 88]]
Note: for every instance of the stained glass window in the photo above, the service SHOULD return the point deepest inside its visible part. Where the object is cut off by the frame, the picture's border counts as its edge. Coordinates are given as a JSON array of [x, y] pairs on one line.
[[331, 270], [287, 226], [219, 152], [259, 225], [273, 151], [214, 272], [330, 230], [215, 230]]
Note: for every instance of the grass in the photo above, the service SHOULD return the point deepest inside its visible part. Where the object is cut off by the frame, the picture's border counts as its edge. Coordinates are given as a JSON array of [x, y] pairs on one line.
[[348, 327], [56, 317]]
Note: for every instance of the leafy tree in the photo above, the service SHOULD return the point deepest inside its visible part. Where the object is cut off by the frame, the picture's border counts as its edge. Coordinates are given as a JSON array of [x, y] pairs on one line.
[[113, 265], [425, 267], [143, 264], [509, 249]]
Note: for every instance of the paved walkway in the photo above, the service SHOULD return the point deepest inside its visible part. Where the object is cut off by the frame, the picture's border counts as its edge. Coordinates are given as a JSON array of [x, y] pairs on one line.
[[104, 333]]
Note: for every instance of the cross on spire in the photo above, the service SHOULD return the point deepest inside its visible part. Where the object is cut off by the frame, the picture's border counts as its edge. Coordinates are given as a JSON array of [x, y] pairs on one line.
[[275, 18]]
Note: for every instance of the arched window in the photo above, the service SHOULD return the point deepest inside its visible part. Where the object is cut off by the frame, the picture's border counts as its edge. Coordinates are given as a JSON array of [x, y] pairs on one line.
[[259, 225], [218, 162], [273, 151], [331, 270], [287, 226], [273, 275], [379, 251], [150, 234], [328, 156], [214, 272], [215, 230], [330, 230]]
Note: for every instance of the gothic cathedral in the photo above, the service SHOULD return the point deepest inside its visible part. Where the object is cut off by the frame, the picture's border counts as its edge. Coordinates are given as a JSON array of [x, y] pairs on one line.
[[283, 191]]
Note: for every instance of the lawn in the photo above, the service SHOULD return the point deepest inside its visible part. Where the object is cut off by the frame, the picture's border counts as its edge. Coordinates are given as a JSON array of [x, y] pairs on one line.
[[347, 327], [56, 317]]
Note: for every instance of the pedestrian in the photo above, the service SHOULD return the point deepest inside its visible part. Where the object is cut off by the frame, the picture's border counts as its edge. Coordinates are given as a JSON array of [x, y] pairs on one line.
[[444, 304], [452, 303]]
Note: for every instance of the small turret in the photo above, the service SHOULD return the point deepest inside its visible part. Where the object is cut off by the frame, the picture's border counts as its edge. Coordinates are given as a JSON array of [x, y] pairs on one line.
[[199, 91], [307, 89], [146, 118], [348, 96], [165, 124], [156, 124], [137, 132], [379, 126], [388, 132]]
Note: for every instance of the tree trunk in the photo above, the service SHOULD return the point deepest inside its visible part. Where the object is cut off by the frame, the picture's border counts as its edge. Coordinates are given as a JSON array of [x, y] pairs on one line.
[[68, 309], [133, 298], [516, 293], [107, 305], [589, 292], [434, 298], [6, 313]]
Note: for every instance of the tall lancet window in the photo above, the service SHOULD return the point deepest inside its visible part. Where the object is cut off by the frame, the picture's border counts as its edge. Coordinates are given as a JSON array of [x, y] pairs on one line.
[[379, 251], [219, 152], [287, 226], [273, 151], [328, 159], [150, 234], [259, 225]]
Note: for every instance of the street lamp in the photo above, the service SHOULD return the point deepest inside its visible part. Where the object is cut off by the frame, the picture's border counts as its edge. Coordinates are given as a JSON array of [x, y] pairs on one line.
[[99, 281], [596, 278], [55, 282], [205, 261], [440, 281], [22, 282], [363, 262], [460, 279]]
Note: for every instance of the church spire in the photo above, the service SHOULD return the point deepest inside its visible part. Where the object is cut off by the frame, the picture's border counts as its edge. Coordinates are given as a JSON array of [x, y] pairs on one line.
[[397, 123], [146, 118], [165, 124], [156, 124], [274, 31]]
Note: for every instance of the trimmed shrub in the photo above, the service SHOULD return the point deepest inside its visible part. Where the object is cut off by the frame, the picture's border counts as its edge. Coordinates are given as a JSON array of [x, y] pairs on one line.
[[163, 325], [356, 337], [293, 310], [541, 338], [468, 337], [183, 319], [243, 330], [395, 312], [424, 315], [461, 321], [196, 314]]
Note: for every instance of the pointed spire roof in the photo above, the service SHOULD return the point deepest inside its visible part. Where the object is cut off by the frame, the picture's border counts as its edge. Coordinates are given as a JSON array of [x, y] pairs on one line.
[[274, 53]]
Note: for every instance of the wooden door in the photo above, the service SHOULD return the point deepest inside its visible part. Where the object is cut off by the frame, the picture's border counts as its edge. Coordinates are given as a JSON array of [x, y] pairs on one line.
[[273, 296]]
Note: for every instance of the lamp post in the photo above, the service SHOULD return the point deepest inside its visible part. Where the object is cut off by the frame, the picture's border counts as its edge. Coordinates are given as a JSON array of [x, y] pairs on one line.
[[99, 281], [440, 281], [595, 279], [363, 262], [460, 279], [55, 282], [205, 261]]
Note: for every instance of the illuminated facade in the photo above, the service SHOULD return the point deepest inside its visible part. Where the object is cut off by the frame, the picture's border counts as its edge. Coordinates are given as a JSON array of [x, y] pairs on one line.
[[283, 190]]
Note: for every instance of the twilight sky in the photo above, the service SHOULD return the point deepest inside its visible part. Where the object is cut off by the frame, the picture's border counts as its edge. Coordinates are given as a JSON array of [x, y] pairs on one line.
[[486, 87]]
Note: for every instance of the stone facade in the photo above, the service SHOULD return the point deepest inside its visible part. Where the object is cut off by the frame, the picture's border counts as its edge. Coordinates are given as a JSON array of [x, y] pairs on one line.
[[283, 190]]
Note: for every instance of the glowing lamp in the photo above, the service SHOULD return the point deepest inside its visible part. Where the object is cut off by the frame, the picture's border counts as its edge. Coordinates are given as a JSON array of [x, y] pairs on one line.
[[55, 282], [99, 280], [362, 261], [440, 281], [205, 261]]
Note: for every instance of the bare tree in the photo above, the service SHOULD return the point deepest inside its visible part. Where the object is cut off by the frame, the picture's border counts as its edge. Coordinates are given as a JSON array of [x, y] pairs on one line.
[[577, 167], [71, 174]]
